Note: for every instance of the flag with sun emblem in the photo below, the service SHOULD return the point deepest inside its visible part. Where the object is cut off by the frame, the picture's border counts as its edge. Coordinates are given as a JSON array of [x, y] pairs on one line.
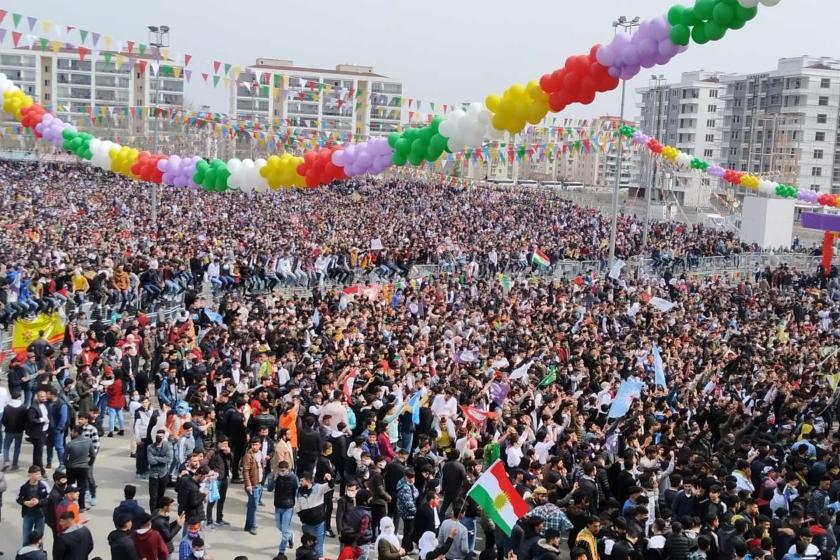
[[494, 493]]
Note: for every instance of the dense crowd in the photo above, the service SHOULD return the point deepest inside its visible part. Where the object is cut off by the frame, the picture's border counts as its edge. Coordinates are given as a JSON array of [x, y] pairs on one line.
[[368, 416], [76, 233]]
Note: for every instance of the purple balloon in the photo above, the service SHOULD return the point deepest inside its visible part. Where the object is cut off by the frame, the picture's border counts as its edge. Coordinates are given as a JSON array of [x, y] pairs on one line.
[[614, 71], [605, 56], [660, 28], [647, 48], [630, 56], [716, 171], [666, 47], [337, 158], [630, 72]]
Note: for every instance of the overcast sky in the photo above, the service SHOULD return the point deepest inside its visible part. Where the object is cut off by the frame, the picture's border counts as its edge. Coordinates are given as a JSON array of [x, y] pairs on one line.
[[442, 51]]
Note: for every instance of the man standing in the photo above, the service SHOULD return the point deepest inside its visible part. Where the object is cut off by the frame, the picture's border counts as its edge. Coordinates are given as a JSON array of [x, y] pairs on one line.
[[285, 491], [309, 506], [140, 429], [167, 529], [252, 473], [394, 472], [159, 455], [220, 463], [87, 422], [190, 495], [78, 456], [453, 478], [14, 423], [74, 541], [460, 547], [406, 504], [32, 498], [37, 426], [60, 411], [119, 540]]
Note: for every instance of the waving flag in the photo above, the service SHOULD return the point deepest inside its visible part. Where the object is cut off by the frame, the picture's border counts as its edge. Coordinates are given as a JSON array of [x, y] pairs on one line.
[[540, 258], [658, 369], [476, 416], [494, 493], [629, 390], [349, 381], [414, 405]]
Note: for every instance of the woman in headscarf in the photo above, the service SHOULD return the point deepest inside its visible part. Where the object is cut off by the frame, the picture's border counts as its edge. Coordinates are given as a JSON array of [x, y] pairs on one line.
[[388, 544]]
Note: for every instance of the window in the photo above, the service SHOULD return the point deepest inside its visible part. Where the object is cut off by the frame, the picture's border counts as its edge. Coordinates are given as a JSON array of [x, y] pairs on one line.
[[816, 172], [710, 138], [46, 82], [710, 123], [822, 119], [825, 83], [818, 154], [712, 108], [818, 137], [709, 153], [713, 93], [823, 102]]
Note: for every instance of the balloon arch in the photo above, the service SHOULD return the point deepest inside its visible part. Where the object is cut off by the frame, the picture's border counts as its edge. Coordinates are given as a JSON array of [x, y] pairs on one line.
[[654, 43]]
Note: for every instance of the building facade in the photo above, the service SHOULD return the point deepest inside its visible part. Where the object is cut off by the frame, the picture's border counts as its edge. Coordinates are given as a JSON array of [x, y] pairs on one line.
[[597, 167], [688, 115], [347, 99], [784, 124], [100, 94]]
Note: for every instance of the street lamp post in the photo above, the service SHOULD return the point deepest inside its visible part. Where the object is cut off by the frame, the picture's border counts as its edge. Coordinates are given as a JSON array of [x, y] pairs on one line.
[[625, 25], [657, 80], [158, 38]]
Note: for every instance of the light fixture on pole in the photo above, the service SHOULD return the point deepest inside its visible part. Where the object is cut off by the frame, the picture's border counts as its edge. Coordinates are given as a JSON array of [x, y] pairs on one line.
[[158, 39], [625, 25], [657, 82]]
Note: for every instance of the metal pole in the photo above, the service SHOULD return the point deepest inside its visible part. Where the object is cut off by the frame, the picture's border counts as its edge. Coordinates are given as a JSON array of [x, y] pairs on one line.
[[155, 138], [614, 224], [652, 160]]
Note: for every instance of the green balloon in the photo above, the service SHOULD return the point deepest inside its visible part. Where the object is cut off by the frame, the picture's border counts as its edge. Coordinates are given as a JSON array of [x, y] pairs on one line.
[[415, 159], [432, 153], [438, 142], [675, 14], [703, 9], [715, 31], [68, 134], [411, 134], [745, 14], [435, 124], [723, 14], [418, 147], [698, 33], [403, 146], [737, 23], [426, 134], [399, 159], [680, 34], [689, 18], [392, 139]]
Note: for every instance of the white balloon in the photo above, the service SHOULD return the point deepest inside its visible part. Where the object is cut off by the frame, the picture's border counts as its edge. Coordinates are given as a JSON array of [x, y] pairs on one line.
[[770, 3], [494, 134], [748, 3], [684, 160], [475, 108]]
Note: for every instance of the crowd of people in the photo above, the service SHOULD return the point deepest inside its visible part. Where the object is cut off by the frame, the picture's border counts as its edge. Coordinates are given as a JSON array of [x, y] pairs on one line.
[[80, 234], [367, 416]]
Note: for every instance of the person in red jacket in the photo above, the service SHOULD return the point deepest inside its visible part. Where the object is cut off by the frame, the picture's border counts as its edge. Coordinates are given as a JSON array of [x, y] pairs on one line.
[[148, 543], [116, 400]]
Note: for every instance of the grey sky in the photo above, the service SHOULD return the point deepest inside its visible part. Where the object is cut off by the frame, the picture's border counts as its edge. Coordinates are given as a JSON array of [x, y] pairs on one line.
[[441, 54]]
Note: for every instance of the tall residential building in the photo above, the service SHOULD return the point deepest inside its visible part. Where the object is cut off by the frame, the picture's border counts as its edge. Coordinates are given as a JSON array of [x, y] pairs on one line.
[[347, 99], [687, 115], [105, 86], [783, 124]]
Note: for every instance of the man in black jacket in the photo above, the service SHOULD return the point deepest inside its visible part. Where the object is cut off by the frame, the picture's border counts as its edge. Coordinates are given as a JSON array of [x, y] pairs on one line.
[[426, 520], [220, 463], [394, 472], [32, 498], [234, 429], [190, 496], [453, 476], [168, 529], [74, 541], [14, 423], [122, 547], [309, 445], [37, 426], [285, 492]]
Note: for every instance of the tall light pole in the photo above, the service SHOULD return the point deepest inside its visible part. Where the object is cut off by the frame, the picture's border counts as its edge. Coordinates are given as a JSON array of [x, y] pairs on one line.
[[159, 39], [657, 80], [625, 25]]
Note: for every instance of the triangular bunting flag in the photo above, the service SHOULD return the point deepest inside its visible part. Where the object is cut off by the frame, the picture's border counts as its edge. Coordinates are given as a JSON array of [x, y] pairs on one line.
[[216, 80], [120, 60], [3, 15], [187, 59], [46, 26], [129, 46], [83, 35], [83, 52], [16, 19], [216, 66], [142, 64], [32, 21], [2, 35], [142, 49], [95, 37], [188, 75], [43, 42], [227, 68], [55, 46], [205, 75], [176, 71], [107, 56]]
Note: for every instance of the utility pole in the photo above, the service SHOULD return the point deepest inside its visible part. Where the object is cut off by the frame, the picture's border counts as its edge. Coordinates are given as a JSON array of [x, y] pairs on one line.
[[158, 39], [658, 80], [625, 25]]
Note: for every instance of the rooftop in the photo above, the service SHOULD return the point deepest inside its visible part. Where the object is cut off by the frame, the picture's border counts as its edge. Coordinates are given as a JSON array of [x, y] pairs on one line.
[[340, 69]]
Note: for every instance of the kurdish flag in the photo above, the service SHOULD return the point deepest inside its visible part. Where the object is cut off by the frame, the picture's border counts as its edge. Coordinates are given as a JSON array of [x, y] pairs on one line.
[[494, 493], [540, 258]]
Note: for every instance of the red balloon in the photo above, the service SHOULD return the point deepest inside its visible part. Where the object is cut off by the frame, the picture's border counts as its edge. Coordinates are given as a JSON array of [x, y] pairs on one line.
[[309, 157], [312, 178], [557, 78], [587, 97], [547, 83], [593, 52], [555, 102]]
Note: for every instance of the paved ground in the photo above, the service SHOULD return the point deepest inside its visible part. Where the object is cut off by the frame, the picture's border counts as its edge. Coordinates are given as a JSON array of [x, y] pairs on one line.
[[114, 469]]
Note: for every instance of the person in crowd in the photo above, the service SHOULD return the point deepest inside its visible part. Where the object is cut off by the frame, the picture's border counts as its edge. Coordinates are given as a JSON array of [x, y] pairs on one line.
[[310, 508], [78, 458], [252, 473], [149, 543], [120, 541], [219, 462], [166, 528], [285, 492], [160, 456], [33, 547], [14, 424], [32, 498], [74, 541], [129, 505]]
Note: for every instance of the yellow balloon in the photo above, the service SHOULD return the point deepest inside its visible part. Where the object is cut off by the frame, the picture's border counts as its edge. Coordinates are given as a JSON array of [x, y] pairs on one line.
[[516, 125], [516, 91], [492, 102], [534, 89], [499, 122], [14, 101]]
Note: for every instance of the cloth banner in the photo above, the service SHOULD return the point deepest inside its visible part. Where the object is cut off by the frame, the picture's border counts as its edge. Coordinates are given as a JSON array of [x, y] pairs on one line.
[[25, 331]]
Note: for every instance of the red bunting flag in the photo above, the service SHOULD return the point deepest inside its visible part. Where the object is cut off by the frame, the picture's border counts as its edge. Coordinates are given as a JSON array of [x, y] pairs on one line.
[[187, 58], [83, 52], [142, 64], [476, 416], [3, 15], [130, 46], [16, 37], [216, 66], [205, 75]]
